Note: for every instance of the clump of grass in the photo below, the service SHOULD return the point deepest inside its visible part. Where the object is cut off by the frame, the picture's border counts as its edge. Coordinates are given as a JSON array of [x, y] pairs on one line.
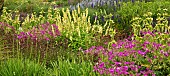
[[21, 67], [71, 67]]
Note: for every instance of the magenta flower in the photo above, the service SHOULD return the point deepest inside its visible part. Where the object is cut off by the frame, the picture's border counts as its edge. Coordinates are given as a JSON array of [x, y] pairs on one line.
[[29, 34], [114, 45], [95, 68], [125, 68], [55, 26], [51, 33], [120, 54], [47, 38], [141, 52], [42, 32], [111, 70], [117, 63], [126, 63], [57, 32], [118, 69], [110, 57], [168, 44], [101, 65], [19, 36]]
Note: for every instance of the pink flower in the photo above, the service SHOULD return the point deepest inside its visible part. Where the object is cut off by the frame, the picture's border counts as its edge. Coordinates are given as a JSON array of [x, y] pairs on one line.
[[47, 39], [101, 65], [111, 70], [42, 32], [141, 52], [19, 36]]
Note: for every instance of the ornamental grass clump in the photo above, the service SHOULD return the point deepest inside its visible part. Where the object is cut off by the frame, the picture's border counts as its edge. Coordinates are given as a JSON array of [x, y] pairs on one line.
[[134, 57], [21, 67]]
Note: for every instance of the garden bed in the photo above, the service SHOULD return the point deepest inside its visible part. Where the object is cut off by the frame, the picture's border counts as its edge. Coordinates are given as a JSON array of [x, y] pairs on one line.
[[102, 39]]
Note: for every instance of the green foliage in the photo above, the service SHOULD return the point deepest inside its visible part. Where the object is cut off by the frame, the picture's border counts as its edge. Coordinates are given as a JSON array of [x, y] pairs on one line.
[[130, 10], [80, 29], [20, 67], [145, 22], [28, 6], [124, 14], [72, 68]]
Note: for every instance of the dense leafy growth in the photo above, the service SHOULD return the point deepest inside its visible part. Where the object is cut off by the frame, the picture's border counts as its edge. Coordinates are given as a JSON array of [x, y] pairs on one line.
[[85, 38]]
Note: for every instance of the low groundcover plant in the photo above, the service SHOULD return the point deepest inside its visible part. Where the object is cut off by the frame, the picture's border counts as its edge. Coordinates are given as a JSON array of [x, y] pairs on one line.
[[132, 57]]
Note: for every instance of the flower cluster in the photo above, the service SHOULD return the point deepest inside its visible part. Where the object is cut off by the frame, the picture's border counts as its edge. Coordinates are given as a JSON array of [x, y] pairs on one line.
[[131, 57], [7, 32], [42, 32], [94, 3], [6, 28]]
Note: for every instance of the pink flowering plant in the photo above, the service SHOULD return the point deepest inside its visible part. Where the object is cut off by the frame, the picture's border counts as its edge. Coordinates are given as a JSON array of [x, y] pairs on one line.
[[42, 32], [33, 42], [40, 38], [133, 57]]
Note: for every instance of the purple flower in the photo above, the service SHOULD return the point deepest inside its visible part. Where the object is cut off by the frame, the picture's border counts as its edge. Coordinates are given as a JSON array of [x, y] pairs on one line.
[[111, 70], [146, 42], [117, 63], [42, 32], [101, 65], [22, 35], [141, 52], [168, 44], [133, 1], [95, 68], [47, 38], [102, 18], [155, 57], [99, 48], [149, 60], [50, 32], [113, 17], [125, 72], [134, 68], [90, 49], [120, 54], [92, 5], [132, 63], [55, 26], [117, 2], [29, 34], [164, 53], [57, 32], [110, 57], [101, 71], [19, 36], [126, 63], [101, 3], [114, 45], [118, 69], [125, 68]]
